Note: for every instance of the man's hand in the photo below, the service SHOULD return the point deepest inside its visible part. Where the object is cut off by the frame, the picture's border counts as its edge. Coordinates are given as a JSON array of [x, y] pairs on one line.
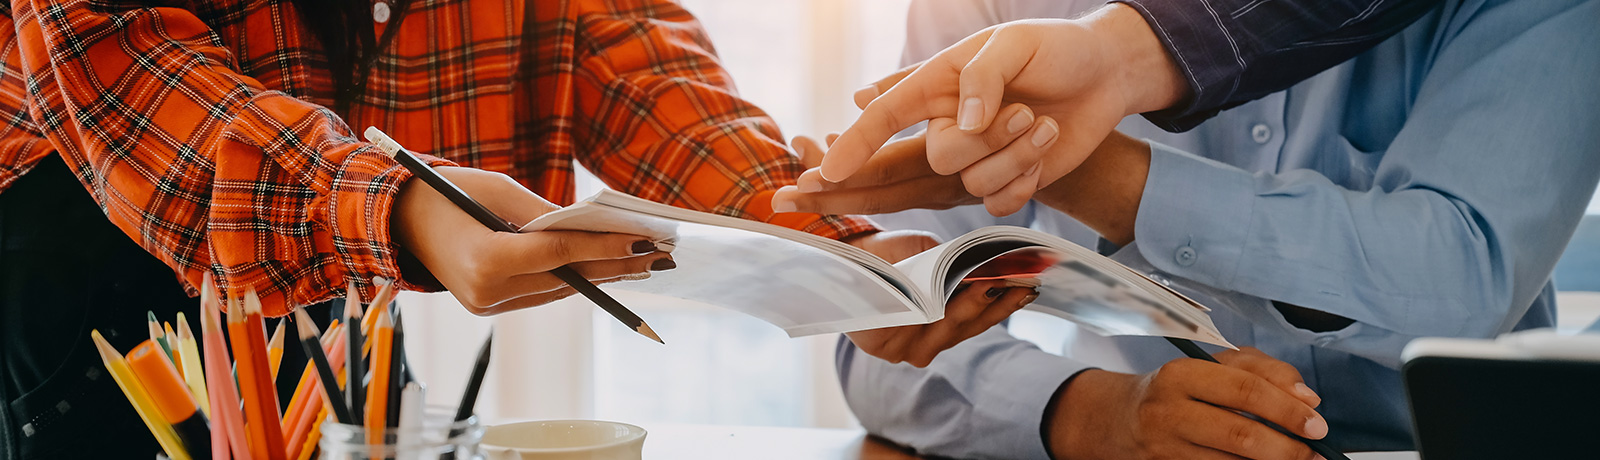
[[977, 308], [492, 272], [1188, 409], [1079, 76]]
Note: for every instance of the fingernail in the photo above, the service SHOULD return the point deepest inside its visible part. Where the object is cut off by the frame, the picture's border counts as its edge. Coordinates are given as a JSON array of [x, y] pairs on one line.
[[1316, 427], [993, 293], [1034, 171], [1305, 391], [1019, 122], [662, 265], [1029, 299], [643, 247], [783, 205], [807, 186], [865, 95], [1046, 133], [636, 276], [970, 114]]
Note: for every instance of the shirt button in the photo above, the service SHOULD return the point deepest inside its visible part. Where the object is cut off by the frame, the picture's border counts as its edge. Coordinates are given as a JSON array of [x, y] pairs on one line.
[[1261, 133], [380, 12], [1323, 341], [1186, 256]]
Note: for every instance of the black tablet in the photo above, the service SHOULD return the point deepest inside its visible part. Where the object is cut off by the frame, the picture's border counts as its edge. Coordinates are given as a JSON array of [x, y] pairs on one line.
[[1497, 400]]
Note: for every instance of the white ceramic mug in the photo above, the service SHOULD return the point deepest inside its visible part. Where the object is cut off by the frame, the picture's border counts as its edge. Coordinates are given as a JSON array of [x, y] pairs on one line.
[[563, 440]]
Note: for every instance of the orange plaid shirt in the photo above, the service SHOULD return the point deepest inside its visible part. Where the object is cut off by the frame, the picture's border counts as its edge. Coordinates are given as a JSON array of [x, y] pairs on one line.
[[202, 130]]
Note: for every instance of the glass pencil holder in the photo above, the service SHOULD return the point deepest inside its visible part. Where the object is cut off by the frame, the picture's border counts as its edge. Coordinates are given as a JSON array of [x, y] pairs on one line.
[[439, 438]]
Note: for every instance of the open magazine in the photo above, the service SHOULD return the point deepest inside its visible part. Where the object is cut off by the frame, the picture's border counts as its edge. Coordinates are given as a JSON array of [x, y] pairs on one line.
[[807, 284]]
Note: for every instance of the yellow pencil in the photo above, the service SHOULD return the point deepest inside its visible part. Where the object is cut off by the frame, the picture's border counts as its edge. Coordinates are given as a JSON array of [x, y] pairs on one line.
[[193, 369], [123, 375], [174, 348], [275, 350]]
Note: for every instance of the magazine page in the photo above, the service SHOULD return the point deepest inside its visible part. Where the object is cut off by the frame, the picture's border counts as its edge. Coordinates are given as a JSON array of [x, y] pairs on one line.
[[800, 288]]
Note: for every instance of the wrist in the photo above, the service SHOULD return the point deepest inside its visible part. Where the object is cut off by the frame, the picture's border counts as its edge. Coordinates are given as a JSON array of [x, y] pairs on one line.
[[1104, 191], [1082, 419], [1147, 74]]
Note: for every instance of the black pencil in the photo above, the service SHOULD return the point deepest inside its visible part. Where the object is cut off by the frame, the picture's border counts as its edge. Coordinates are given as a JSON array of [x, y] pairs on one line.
[[1194, 351], [397, 357], [310, 339], [495, 222], [352, 360], [469, 398]]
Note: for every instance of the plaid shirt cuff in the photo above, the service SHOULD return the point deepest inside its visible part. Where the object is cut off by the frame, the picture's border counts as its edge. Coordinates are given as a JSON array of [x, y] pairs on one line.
[[363, 198]]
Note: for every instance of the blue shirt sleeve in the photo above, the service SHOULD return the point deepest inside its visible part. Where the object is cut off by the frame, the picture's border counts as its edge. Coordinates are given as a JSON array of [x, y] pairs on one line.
[[1235, 51], [1469, 207], [983, 398]]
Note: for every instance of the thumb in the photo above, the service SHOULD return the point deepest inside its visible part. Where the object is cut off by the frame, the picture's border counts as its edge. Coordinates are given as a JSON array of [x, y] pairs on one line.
[[983, 80]]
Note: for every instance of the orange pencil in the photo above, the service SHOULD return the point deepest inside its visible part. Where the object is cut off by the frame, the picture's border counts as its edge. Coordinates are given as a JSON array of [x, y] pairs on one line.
[[248, 335], [378, 386], [171, 396], [381, 299], [227, 427], [275, 350]]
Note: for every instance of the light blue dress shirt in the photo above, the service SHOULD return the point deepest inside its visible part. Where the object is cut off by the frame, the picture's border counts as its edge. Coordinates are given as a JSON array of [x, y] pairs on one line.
[[1425, 188]]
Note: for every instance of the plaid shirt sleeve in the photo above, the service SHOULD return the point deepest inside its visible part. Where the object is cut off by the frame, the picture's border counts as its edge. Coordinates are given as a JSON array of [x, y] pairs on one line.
[[203, 166], [659, 119], [1236, 51]]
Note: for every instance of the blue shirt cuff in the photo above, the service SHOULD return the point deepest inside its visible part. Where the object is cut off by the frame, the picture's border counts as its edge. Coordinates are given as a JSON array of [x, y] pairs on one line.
[[1196, 237]]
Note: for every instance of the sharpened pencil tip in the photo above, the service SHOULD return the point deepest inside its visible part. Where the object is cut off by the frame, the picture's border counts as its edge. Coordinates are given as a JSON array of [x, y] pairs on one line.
[[644, 330]]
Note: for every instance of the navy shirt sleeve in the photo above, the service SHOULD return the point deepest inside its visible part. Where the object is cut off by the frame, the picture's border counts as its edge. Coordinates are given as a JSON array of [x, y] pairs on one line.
[[1235, 51]]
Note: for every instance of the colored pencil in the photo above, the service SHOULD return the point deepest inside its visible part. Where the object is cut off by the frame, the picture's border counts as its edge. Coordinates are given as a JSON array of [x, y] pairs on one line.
[[193, 367], [248, 335], [228, 421], [142, 404], [469, 398], [275, 351], [354, 364], [397, 360], [156, 334], [489, 219], [326, 380], [378, 385], [171, 396], [174, 347], [384, 296], [303, 391]]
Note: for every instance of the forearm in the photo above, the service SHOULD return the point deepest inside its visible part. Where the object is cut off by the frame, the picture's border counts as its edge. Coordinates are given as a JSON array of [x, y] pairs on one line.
[[1105, 191]]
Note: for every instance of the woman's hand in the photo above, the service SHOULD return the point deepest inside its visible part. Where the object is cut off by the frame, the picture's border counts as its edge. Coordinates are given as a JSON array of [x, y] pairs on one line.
[[975, 309], [1188, 409], [1081, 77], [493, 272]]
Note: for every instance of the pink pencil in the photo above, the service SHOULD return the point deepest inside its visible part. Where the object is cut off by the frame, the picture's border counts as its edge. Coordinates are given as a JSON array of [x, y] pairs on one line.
[[226, 419]]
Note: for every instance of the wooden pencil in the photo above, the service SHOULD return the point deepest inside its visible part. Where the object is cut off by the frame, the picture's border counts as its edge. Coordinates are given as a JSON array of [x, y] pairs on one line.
[[193, 367], [227, 427], [248, 335], [275, 351], [378, 384], [142, 404], [174, 347], [354, 364]]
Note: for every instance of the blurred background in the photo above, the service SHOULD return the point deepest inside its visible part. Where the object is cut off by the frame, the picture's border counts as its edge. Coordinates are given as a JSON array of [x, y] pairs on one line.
[[800, 60]]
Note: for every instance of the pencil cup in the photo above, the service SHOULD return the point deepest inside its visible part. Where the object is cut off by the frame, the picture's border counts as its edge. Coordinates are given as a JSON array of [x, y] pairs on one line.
[[564, 440], [439, 438]]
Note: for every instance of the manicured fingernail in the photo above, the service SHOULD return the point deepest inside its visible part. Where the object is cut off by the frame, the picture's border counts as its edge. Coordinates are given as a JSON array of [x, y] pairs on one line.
[[663, 265], [994, 293], [1316, 427], [865, 95], [970, 115], [643, 247], [636, 276], [1046, 133], [1019, 122], [1305, 391]]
